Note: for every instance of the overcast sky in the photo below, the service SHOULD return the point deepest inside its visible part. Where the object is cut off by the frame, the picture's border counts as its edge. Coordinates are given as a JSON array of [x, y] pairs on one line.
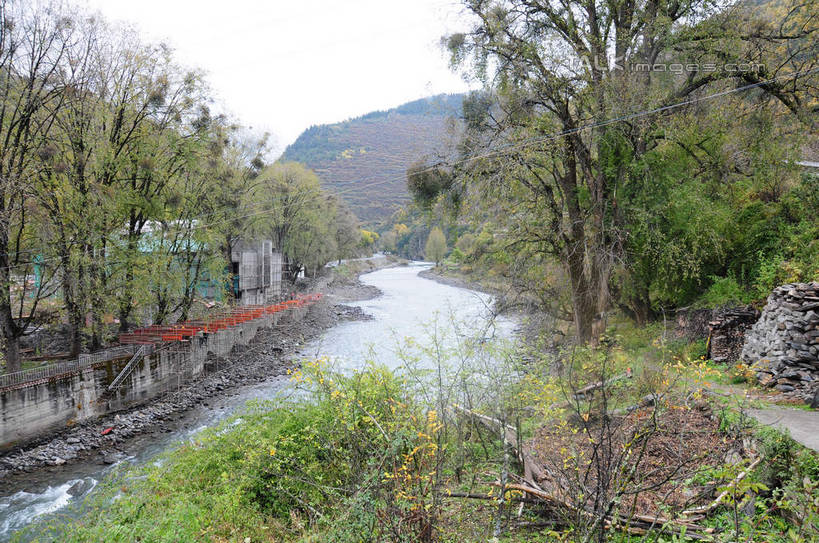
[[283, 65]]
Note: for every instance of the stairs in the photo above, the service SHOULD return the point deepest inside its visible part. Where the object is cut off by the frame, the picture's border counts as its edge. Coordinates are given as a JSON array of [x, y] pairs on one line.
[[129, 367]]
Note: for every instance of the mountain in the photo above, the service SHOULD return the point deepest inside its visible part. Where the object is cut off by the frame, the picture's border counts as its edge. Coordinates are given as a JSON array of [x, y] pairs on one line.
[[365, 159]]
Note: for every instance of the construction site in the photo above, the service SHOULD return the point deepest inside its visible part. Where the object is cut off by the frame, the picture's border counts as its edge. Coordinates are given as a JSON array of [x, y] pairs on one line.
[[148, 362]]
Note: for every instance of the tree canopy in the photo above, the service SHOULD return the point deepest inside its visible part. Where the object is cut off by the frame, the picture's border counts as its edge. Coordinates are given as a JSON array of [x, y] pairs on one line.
[[607, 136]]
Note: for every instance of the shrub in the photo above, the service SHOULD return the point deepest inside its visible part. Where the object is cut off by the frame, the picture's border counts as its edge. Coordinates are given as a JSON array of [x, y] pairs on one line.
[[724, 291], [354, 456]]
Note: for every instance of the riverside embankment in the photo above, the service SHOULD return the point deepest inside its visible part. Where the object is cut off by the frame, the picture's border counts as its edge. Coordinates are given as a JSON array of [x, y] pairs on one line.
[[58, 468], [406, 307]]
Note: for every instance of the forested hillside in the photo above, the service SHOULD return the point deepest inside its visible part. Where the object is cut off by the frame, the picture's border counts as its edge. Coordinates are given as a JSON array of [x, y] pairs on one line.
[[365, 158]]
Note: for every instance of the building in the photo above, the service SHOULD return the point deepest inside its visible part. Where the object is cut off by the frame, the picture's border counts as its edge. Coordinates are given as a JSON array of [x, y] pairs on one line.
[[256, 267]]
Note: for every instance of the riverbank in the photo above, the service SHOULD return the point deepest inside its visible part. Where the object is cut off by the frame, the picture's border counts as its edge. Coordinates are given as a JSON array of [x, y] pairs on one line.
[[275, 351], [231, 480], [454, 278], [534, 325]]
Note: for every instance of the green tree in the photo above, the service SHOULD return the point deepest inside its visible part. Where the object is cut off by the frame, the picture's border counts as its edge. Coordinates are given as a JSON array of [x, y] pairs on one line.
[[435, 248], [557, 66], [33, 45], [346, 232]]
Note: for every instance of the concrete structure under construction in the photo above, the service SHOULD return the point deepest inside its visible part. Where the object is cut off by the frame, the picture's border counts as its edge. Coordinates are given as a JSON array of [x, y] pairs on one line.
[[256, 266], [48, 401]]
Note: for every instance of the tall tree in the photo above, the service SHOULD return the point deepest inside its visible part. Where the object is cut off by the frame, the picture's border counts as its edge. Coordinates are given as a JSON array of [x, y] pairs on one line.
[[435, 248], [34, 38], [346, 232], [571, 67], [288, 193]]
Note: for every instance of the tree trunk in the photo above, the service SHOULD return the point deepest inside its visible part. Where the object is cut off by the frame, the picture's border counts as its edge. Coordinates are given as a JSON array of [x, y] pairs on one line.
[[12, 353], [98, 289], [9, 329], [577, 252], [641, 309], [75, 325], [585, 308], [72, 307], [126, 299]]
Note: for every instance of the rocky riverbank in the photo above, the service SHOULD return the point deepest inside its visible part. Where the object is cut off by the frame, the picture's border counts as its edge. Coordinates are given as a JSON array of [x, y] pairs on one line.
[[270, 355], [454, 279]]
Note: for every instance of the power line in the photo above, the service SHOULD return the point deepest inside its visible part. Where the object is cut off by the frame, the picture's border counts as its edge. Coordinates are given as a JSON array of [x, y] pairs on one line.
[[357, 186]]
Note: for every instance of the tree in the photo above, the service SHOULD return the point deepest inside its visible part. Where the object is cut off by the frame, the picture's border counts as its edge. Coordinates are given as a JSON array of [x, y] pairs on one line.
[[129, 136], [435, 248], [556, 67], [367, 240], [34, 38], [302, 219], [388, 241], [346, 231], [426, 182]]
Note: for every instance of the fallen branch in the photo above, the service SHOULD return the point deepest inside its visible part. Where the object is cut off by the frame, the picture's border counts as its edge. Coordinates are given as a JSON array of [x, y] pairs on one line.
[[533, 473], [591, 388], [636, 524], [646, 401], [473, 496], [704, 510]]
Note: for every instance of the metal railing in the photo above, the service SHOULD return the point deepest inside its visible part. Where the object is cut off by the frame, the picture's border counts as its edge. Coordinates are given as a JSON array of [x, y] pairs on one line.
[[60, 368], [129, 367]]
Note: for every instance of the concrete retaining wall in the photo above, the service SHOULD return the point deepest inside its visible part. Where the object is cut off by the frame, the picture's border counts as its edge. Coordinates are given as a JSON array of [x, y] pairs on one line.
[[29, 412]]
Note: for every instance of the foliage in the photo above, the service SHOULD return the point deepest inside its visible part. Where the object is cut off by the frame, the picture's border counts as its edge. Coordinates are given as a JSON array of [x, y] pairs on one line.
[[435, 248], [123, 194], [724, 291], [426, 183], [639, 214], [350, 461], [365, 158], [368, 239]]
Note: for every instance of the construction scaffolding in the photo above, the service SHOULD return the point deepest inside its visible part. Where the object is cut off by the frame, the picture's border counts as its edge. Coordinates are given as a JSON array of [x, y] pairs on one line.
[[157, 334], [222, 331], [174, 338]]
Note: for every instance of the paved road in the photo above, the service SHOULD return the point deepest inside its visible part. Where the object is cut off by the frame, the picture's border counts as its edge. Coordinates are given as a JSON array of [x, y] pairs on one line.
[[802, 425]]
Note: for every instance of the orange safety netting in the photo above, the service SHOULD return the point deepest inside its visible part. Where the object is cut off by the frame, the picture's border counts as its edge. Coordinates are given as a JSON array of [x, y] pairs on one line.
[[219, 321]]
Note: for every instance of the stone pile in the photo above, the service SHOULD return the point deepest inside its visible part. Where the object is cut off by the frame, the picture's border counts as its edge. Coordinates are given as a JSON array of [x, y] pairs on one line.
[[727, 331], [783, 346], [724, 327]]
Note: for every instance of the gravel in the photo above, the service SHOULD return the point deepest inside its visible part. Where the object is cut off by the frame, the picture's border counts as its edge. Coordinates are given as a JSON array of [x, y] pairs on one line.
[[271, 354]]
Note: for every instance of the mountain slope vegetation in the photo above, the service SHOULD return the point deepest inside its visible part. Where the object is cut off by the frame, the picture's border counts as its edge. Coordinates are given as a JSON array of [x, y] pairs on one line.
[[365, 159]]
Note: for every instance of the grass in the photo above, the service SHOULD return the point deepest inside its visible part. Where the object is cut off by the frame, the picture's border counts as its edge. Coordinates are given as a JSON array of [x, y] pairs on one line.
[[354, 458], [359, 459]]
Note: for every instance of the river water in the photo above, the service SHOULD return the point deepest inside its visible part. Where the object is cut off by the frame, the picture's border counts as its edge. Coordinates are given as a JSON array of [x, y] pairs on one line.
[[410, 307]]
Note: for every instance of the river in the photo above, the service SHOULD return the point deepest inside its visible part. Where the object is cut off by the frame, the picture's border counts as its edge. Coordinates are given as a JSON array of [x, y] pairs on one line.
[[409, 307]]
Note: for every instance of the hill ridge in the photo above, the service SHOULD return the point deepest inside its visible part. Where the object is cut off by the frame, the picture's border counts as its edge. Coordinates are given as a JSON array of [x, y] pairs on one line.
[[375, 149]]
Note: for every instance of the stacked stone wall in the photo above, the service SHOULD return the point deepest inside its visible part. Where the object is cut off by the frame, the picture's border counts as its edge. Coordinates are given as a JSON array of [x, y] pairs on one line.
[[783, 346]]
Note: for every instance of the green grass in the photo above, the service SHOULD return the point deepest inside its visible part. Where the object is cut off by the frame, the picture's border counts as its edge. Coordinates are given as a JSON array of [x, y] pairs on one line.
[[359, 459], [357, 452]]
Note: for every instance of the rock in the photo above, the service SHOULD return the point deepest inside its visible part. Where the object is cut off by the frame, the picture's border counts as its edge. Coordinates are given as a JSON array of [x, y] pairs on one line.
[[110, 459], [78, 489], [733, 457], [783, 344], [785, 388], [73, 440]]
